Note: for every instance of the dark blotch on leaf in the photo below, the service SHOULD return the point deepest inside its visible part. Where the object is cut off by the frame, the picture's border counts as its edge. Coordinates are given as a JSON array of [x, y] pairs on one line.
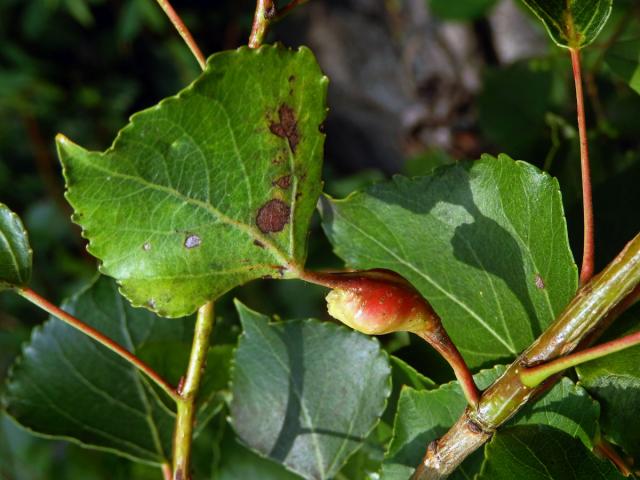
[[287, 127], [273, 216], [283, 182], [258, 243], [192, 241]]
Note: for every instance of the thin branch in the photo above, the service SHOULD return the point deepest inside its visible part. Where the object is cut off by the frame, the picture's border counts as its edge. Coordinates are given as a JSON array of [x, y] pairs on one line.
[[91, 332], [265, 12], [534, 376], [587, 269], [188, 391], [183, 31], [596, 303]]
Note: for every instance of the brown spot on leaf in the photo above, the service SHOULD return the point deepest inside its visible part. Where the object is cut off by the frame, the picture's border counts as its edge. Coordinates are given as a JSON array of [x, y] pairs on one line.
[[273, 216], [292, 78], [283, 182], [258, 243], [179, 475], [192, 241], [287, 127], [539, 281]]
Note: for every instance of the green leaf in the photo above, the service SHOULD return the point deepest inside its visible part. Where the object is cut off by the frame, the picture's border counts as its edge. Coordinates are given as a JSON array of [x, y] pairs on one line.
[[572, 23], [305, 393], [567, 407], [623, 57], [485, 242], [403, 374], [211, 188], [614, 381], [544, 453], [15, 252], [423, 416], [239, 463], [65, 385], [460, 10]]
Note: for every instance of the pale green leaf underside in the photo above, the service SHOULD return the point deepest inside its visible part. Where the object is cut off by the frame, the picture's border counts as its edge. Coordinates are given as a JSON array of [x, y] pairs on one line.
[[211, 188], [485, 242], [66, 385], [15, 252], [306, 394], [572, 23]]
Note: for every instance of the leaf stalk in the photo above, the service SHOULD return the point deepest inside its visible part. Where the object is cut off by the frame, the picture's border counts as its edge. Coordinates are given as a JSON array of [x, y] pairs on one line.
[[183, 31], [187, 392], [534, 376], [588, 252], [91, 332]]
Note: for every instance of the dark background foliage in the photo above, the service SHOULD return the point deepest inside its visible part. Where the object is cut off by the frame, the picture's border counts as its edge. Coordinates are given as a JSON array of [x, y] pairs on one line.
[[413, 85]]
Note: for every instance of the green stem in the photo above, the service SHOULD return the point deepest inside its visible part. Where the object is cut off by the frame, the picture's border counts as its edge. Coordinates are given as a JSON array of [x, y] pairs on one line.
[[534, 376], [183, 31], [595, 304], [587, 269], [188, 391], [91, 332]]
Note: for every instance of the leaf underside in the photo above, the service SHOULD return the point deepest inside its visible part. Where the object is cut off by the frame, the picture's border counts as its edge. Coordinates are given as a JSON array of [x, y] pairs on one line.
[[15, 252], [572, 23], [211, 188]]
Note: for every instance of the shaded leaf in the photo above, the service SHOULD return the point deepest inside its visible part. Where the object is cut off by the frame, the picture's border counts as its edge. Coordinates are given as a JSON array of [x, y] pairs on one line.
[[572, 23], [614, 381], [211, 188], [424, 416], [623, 57], [237, 462], [485, 242], [567, 407], [66, 385], [544, 453], [305, 393], [15, 252]]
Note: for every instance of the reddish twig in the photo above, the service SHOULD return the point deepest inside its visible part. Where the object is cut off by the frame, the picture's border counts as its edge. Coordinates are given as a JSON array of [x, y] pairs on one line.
[[91, 332], [183, 31], [587, 268]]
